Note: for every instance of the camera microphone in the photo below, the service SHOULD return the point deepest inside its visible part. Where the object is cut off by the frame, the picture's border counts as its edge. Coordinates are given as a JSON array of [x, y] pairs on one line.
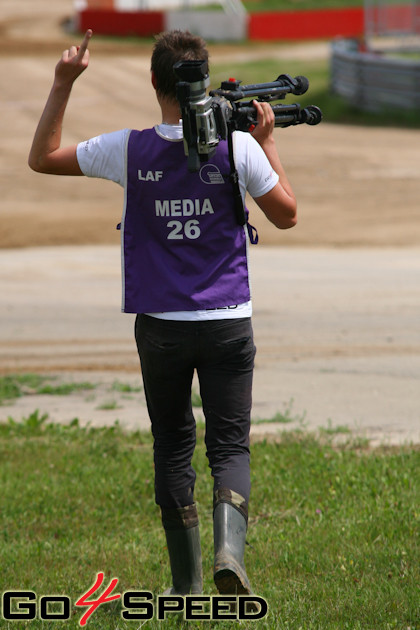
[[311, 115], [302, 85]]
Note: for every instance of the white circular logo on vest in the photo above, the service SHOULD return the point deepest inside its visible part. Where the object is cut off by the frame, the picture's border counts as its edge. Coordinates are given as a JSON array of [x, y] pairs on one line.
[[210, 174]]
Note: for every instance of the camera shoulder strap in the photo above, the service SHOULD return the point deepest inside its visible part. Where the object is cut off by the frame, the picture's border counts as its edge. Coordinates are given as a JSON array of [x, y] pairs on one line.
[[234, 178], [237, 197]]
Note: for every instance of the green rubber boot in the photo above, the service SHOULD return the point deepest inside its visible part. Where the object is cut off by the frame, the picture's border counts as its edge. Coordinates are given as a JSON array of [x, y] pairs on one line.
[[229, 527], [183, 540]]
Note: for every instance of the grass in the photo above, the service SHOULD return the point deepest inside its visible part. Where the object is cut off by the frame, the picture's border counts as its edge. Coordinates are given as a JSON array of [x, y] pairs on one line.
[[286, 416], [195, 398], [108, 405], [335, 430], [260, 6], [333, 107], [16, 385], [333, 531], [125, 388], [254, 6]]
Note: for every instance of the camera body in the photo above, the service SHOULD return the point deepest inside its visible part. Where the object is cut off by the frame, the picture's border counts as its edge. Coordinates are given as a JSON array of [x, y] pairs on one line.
[[198, 120], [206, 119]]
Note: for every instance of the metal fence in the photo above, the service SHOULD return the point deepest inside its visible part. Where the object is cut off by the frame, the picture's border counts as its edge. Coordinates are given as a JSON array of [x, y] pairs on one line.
[[391, 17], [372, 80]]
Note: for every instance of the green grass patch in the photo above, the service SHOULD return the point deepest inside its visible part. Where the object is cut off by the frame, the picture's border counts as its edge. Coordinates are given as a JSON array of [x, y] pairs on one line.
[[16, 385], [109, 405], [334, 108], [333, 531], [260, 6], [196, 399], [125, 388], [64, 389], [340, 429], [255, 6], [284, 417]]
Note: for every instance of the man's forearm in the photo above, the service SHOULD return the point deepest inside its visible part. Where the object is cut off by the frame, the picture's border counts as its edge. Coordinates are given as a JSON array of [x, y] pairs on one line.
[[263, 134], [270, 150], [47, 137], [46, 154]]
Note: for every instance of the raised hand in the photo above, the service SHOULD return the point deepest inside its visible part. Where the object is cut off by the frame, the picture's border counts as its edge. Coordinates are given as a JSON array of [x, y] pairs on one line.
[[73, 61], [46, 155]]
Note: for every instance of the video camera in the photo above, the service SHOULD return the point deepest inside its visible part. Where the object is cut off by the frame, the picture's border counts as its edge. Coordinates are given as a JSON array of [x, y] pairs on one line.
[[208, 119]]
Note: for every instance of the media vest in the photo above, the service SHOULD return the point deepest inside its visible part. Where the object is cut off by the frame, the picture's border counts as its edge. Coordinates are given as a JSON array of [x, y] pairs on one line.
[[182, 248]]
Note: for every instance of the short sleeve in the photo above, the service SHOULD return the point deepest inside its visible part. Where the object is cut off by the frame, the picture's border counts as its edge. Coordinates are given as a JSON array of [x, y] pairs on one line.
[[104, 156], [256, 174]]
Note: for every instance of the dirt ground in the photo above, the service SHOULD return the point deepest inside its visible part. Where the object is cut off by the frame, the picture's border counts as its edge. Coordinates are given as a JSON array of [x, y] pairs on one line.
[[358, 191], [355, 186]]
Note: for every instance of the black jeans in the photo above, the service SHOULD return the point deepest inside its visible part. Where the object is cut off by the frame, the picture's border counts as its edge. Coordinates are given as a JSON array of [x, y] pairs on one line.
[[222, 352]]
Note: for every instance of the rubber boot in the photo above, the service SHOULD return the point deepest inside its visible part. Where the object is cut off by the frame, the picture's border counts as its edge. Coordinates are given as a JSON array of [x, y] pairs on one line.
[[229, 527], [183, 540]]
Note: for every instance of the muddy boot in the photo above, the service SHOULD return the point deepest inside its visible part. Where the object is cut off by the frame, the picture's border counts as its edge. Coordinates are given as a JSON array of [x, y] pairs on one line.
[[229, 526], [183, 539]]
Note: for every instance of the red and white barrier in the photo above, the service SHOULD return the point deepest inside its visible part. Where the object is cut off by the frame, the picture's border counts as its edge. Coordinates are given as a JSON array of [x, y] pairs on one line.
[[121, 17]]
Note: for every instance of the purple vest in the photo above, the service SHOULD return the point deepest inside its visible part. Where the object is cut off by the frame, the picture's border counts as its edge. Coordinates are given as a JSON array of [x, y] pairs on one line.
[[182, 248]]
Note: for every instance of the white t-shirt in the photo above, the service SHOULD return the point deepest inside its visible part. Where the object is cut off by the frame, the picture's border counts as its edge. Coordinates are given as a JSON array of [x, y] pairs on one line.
[[105, 157]]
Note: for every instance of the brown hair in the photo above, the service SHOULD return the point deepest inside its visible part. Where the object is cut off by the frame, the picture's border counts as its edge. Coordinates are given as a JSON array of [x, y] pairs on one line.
[[170, 47]]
